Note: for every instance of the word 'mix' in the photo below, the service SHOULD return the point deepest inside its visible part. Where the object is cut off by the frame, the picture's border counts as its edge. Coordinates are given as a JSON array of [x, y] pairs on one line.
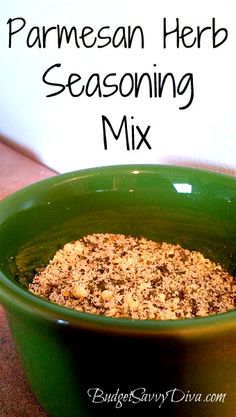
[[134, 136]]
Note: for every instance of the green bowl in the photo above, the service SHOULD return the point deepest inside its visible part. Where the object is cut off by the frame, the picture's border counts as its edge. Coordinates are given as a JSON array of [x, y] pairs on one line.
[[86, 365]]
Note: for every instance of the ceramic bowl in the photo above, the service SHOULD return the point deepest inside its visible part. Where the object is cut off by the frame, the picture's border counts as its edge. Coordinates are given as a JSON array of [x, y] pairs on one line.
[[86, 365]]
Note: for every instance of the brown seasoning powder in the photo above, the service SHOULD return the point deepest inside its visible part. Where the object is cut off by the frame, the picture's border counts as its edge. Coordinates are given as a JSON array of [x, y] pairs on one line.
[[123, 276]]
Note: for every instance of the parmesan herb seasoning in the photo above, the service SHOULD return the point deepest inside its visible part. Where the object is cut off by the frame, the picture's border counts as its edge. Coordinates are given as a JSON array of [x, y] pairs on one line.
[[122, 276]]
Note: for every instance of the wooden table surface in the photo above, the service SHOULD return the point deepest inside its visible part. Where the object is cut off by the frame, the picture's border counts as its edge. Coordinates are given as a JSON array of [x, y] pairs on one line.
[[16, 400]]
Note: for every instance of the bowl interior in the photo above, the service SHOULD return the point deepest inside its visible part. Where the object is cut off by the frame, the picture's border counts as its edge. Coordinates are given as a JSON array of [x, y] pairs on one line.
[[194, 208]]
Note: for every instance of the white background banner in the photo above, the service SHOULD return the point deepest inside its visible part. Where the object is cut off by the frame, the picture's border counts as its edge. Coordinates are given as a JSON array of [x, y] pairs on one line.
[[91, 83]]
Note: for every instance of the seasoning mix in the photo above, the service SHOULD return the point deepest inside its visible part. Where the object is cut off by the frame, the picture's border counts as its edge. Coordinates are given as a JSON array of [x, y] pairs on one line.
[[123, 276]]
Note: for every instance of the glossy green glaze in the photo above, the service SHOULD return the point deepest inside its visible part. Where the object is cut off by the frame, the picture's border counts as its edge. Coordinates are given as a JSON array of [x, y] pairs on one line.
[[64, 352]]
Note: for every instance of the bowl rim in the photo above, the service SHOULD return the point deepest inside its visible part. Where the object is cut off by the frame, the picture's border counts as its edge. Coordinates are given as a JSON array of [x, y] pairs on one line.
[[14, 296]]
